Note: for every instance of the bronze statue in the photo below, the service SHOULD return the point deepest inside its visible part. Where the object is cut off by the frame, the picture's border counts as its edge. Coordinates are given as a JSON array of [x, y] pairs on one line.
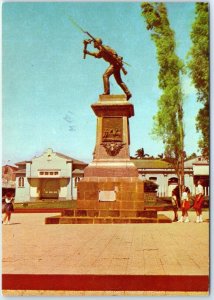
[[109, 55], [116, 64]]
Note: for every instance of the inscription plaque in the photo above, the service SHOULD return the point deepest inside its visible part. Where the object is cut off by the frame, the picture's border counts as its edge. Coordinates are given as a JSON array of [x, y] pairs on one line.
[[112, 129], [107, 196]]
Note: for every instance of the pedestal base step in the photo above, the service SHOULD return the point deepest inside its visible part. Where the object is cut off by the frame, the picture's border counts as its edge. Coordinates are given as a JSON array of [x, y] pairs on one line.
[[71, 217], [112, 213]]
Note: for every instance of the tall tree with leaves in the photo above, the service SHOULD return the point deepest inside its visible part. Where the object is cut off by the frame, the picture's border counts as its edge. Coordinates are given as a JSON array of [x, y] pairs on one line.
[[140, 154], [168, 122], [199, 70]]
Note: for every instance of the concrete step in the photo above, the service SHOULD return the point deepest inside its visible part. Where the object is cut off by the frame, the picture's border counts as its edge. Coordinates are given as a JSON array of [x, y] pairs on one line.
[[105, 220], [112, 213]]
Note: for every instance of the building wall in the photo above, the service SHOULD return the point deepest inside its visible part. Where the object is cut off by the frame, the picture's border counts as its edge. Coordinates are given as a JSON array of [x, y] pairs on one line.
[[164, 186], [75, 180], [47, 176], [34, 188], [65, 192], [22, 192], [69, 194], [188, 180], [49, 161], [74, 188]]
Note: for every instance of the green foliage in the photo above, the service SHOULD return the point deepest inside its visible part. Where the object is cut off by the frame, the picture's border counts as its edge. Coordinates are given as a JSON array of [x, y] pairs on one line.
[[161, 156], [191, 156], [141, 154], [199, 70], [150, 186], [168, 122]]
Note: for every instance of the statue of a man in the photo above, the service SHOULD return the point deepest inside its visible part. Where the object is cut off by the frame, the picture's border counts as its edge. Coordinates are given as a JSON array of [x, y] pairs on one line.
[[116, 64]]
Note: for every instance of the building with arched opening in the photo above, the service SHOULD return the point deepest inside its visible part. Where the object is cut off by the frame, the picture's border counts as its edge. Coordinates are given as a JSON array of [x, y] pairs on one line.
[[162, 173]]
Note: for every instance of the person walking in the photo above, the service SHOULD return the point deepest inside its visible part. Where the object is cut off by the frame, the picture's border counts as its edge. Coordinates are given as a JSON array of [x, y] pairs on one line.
[[3, 206], [199, 200], [185, 205], [8, 208]]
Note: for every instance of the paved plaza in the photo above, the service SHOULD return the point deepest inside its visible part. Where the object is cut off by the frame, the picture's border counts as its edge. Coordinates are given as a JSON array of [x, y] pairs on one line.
[[31, 247]]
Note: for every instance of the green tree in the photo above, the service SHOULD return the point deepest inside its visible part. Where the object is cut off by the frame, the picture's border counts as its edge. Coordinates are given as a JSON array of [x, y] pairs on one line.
[[199, 70], [160, 156], [168, 122], [191, 156], [141, 154]]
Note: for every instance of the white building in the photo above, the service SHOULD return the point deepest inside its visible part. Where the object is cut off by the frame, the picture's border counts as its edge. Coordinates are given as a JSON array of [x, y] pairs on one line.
[[50, 176], [162, 173]]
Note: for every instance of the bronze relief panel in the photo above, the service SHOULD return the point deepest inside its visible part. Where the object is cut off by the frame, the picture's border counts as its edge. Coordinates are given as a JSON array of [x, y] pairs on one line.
[[112, 129]]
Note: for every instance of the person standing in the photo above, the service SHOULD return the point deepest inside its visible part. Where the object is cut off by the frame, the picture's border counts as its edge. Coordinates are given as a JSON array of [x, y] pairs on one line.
[[3, 206], [175, 206], [198, 203], [185, 205], [8, 208]]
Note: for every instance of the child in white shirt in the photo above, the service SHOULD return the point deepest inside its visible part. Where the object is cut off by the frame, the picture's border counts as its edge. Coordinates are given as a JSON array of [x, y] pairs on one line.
[[185, 205]]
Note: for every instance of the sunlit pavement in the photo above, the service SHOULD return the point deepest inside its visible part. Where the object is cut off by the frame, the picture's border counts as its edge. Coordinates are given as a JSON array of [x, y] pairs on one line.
[[31, 247]]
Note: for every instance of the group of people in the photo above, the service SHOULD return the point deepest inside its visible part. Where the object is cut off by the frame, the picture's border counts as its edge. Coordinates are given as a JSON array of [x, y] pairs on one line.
[[7, 207], [185, 204]]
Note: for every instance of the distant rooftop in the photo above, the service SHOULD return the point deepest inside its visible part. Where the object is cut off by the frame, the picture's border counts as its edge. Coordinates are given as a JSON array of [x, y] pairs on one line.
[[161, 164], [10, 166], [195, 161], [21, 171], [22, 162], [77, 171], [75, 161], [151, 164]]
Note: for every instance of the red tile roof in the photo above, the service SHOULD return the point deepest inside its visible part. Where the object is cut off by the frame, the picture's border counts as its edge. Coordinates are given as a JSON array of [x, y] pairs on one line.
[[23, 162]]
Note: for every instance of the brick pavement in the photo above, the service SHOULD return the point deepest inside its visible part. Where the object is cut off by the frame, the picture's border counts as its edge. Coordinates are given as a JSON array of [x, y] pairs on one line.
[[31, 247]]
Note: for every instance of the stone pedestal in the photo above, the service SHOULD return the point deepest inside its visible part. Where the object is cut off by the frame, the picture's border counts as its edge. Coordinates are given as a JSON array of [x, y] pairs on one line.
[[111, 153], [111, 179], [110, 191]]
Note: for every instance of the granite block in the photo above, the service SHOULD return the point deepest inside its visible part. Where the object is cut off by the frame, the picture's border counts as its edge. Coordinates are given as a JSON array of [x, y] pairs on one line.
[[68, 212], [127, 213], [103, 221]]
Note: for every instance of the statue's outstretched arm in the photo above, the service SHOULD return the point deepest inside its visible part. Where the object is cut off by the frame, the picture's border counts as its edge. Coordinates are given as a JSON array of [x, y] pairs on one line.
[[95, 54]]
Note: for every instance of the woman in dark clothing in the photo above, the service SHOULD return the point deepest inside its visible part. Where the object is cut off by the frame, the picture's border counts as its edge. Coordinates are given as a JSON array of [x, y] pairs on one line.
[[8, 208]]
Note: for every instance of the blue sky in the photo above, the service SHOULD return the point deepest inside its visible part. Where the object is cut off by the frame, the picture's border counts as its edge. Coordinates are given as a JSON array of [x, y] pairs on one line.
[[48, 88]]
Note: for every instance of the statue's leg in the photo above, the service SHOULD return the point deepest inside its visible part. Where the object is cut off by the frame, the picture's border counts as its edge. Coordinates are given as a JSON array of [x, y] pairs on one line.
[[123, 86], [106, 76]]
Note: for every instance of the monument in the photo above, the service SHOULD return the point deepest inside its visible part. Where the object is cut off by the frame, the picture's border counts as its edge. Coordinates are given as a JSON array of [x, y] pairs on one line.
[[110, 191], [111, 186], [111, 180]]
